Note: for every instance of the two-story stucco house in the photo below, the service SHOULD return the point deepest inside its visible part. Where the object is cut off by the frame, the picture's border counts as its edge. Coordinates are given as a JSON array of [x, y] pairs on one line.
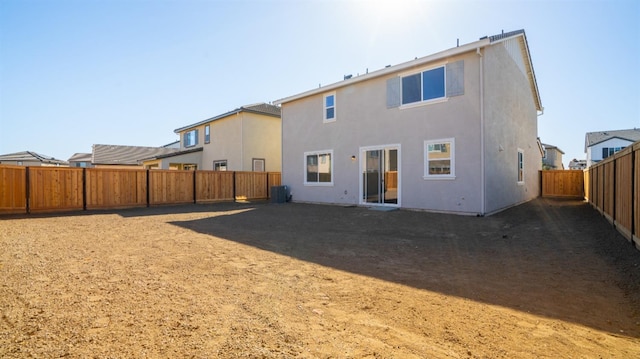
[[602, 144], [455, 131], [245, 139]]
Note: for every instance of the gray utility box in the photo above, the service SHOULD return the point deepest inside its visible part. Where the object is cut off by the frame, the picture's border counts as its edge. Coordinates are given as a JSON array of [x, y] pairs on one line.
[[279, 194]]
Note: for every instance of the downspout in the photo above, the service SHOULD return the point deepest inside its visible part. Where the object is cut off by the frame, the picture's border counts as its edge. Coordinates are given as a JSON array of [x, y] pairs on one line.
[[482, 179]]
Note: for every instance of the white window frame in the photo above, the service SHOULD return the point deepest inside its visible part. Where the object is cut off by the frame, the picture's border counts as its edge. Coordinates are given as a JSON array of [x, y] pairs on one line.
[[325, 108], [421, 72], [520, 166], [312, 153], [258, 160], [226, 165], [452, 159]]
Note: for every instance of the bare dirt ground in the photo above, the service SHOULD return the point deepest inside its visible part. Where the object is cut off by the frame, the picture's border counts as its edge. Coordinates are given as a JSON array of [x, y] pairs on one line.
[[547, 279]]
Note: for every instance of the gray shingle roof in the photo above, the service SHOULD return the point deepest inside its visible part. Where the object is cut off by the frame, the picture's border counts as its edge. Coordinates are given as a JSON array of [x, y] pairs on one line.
[[593, 138], [258, 108], [80, 157], [31, 156], [126, 155]]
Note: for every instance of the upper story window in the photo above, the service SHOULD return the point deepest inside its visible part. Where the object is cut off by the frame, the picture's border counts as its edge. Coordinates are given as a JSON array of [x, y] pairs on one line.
[[207, 134], [609, 151], [520, 166], [190, 138], [330, 107], [439, 159], [424, 86]]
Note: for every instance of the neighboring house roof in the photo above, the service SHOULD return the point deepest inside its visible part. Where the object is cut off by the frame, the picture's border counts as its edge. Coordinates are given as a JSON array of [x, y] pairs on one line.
[[174, 154], [483, 42], [593, 138], [174, 144], [29, 156], [550, 147], [257, 108], [125, 155], [80, 157]]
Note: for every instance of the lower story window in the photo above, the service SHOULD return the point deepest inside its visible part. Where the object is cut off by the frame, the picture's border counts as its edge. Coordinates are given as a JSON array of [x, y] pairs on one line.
[[520, 166], [220, 165], [258, 165], [318, 168], [439, 158]]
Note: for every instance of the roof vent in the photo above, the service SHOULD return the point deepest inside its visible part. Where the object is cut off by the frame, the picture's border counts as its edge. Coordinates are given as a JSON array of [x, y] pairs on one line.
[[346, 77]]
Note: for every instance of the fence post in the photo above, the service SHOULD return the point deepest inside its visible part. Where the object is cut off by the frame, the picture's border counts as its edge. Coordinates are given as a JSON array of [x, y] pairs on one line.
[[194, 187], [148, 188], [27, 194], [234, 186], [84, 189]]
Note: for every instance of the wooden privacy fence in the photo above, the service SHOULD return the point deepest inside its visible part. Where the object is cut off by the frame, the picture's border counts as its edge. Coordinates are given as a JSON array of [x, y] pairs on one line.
[[612, 186], [566, 184], [45, 189]]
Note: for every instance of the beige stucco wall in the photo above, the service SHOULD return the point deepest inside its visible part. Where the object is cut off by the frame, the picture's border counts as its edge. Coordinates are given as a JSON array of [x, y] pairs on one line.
[[510, 124], [238, 139]]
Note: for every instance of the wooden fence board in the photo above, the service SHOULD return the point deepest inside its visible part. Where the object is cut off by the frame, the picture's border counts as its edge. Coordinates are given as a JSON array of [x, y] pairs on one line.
[[40, 189], [13, 195], [275, 179], [55, 189], [115, 188], [636, 195], [170, 187], [251, 185], [568, 184], [623, 193], [609, 190], [214, 186]]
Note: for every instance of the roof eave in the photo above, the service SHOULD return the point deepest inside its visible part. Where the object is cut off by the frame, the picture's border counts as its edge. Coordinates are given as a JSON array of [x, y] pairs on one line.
[[389, 70]]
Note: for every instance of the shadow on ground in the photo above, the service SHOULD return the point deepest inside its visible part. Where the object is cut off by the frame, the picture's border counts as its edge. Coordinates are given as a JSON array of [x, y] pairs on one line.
[[558, 259]]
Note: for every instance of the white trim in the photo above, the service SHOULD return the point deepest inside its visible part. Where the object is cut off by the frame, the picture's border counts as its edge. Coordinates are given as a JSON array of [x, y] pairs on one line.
[[324, 107], [318, 184], [452, 159], [421, 72], [423, 61], [364, 149], [518, 167]]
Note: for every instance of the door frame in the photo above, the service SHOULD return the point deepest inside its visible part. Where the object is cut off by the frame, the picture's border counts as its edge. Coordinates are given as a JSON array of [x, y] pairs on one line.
[[362, 158]]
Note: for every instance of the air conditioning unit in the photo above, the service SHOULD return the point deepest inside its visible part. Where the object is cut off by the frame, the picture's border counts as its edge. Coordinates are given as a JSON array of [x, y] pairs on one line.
[[279, 194]]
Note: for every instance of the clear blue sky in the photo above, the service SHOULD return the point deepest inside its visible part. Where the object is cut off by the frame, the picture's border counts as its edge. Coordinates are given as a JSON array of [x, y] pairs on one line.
[[77, 73]]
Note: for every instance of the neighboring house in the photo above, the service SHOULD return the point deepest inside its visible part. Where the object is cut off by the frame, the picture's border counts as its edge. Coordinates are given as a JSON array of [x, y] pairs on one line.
[[600, 145], [125, 156], [81, 160], [552, 157], [455, 131], [29, 158], [575, 164], [248, 138]]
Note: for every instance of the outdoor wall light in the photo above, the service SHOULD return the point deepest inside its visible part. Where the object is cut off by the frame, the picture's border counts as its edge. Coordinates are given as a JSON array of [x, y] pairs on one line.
[[353, 158]]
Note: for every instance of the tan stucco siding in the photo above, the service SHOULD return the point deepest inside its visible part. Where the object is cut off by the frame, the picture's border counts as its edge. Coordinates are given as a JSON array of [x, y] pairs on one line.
[[225, 144], [261, 138], [510, 124]]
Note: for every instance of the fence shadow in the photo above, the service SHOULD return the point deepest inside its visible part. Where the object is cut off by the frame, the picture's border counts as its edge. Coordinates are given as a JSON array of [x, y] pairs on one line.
[[558, 259]]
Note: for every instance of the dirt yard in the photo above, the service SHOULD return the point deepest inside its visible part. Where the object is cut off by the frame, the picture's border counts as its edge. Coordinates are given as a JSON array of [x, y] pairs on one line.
[[547, 279]]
